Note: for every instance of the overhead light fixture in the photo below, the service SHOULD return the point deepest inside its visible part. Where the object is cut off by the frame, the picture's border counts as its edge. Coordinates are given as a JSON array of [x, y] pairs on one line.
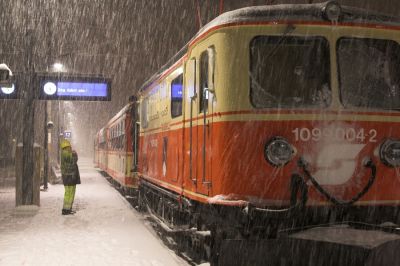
[[58, 67]]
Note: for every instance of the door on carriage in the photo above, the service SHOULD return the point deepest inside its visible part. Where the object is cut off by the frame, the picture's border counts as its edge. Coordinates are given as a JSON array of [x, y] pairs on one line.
[[200, 91]]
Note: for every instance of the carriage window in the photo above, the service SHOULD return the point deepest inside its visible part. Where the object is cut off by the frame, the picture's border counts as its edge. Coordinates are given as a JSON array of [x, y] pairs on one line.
[[176, 96], [289, 72], [102, 145], [369, 73], [143, 113], [203, 81]]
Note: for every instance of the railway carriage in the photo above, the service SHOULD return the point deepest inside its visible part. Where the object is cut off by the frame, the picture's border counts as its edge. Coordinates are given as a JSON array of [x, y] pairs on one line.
[[100, 146], [272, 120], [114, 149]]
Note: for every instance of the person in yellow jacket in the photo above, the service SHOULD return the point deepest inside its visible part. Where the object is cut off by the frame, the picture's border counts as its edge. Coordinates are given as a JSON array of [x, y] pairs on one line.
[[70, 175]]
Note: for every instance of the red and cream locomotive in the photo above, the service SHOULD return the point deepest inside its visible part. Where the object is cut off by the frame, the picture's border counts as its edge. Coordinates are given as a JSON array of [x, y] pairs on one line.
[[274, 119]]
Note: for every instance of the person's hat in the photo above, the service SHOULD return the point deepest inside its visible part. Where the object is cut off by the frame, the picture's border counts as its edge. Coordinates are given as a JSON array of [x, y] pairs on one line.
[[65, 143]]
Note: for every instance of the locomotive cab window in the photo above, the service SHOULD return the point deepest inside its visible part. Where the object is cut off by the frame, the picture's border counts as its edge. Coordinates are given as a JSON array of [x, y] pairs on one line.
[[176, 96], [375, 82], [289, 72], [203, 93]]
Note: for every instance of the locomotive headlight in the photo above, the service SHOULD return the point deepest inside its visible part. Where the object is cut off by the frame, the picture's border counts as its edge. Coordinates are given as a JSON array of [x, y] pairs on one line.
[[278, 151], [332, 11], [390, 153]]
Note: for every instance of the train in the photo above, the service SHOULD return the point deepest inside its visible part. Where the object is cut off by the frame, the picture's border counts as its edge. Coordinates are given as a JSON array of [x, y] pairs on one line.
[[276, 128], [113, 149]]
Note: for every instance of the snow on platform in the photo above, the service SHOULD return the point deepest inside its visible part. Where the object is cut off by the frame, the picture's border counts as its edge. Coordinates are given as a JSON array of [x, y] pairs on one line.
[[105, 230]]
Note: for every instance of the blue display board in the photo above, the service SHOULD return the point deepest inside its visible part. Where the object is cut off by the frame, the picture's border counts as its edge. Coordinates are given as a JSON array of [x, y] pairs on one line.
[[177, 91], [78, 88], [82, 89]]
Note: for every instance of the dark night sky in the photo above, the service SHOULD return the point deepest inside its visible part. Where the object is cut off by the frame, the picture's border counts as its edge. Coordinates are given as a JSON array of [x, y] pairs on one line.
[[127, 40]]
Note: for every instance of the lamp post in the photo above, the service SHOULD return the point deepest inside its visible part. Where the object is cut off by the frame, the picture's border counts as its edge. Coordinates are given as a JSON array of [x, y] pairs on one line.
[[48, 125], [46, 147]]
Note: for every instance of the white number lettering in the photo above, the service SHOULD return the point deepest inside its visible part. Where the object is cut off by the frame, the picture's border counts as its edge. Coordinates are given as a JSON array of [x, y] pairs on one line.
[[360, 135], [339, 134], [316, 134], [305, 134], [327, 132], [350, 134], [372, 135], [296, 134]]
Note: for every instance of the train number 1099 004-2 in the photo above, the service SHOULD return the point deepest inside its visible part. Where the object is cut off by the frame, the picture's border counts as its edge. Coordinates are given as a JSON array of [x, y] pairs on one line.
[[335, 134]]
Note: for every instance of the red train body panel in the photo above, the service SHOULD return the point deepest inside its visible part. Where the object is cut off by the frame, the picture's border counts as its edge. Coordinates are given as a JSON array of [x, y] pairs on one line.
[[242, 166]]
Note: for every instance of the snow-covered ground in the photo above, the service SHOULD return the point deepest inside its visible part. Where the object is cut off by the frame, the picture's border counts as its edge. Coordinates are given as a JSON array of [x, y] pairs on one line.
[[105, 230]]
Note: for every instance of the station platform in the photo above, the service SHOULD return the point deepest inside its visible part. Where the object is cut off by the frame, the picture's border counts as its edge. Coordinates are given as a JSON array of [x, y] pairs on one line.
[[105, 230]]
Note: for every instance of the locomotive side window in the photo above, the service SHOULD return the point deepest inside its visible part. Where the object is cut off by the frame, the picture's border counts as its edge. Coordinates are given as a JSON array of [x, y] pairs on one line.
[[102, 140], [369, 73], [176, 96], [143, 113], [111, 143], [109, 140], [289, 72], [114, 137], [119, 137], [122, 140], [203, 93]]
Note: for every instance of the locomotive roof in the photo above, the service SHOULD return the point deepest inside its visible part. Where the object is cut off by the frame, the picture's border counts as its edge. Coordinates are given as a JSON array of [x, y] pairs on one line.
[[292, 12], [299, 12]]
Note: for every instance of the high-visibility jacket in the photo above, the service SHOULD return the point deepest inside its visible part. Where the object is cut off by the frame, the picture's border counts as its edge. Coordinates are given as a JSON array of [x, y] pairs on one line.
[[69, 173]]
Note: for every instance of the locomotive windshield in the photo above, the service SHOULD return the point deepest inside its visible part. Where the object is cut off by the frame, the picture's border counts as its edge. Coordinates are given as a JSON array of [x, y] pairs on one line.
[[369, 72], [289, 72]]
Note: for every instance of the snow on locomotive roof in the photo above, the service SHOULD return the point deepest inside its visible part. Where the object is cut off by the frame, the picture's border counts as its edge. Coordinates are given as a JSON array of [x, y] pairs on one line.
[[292, 12], [298, 12]]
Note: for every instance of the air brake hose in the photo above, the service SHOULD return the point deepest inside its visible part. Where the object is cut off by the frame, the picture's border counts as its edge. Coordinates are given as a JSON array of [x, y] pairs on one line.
[[297, 184], [369, 164]]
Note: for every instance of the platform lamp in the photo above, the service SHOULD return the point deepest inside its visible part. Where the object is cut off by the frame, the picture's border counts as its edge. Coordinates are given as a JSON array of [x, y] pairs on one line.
[[56, 67], [49, 127]]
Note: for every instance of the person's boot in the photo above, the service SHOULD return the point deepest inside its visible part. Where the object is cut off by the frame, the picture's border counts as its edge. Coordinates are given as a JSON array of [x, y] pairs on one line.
[[66, 212]]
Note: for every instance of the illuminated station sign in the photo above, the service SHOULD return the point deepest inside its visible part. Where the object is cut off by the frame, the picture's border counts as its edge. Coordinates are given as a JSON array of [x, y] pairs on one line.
[[8, 92], [67, 134], [78, 88]]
